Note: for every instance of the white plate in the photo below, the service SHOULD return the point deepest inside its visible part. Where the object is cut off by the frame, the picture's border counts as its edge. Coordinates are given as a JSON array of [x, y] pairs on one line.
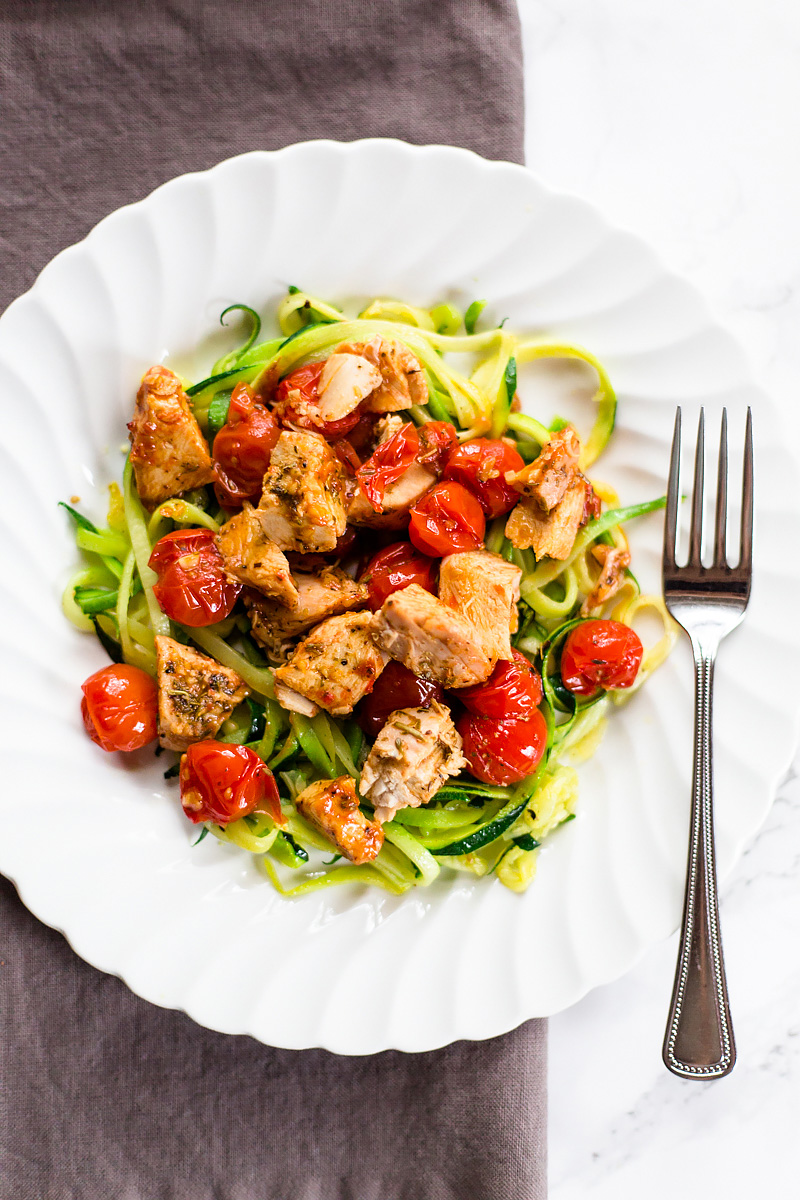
[[97, 844]]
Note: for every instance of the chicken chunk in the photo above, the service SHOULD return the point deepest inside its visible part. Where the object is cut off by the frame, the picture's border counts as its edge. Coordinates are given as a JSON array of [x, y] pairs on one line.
[[251, 557], [168, 452], [551, 536], [336, 665], [485, 588], [195, 694], [317, 597], [429, 638], [302, 507], [402, 377], [331, 806], [613, 563], [345, 380], [547, 478], [413, 755]]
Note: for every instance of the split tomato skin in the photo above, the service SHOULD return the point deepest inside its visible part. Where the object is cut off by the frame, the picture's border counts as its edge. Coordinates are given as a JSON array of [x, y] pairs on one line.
[[395, 567], [396, 687], [221, 783], [120, 708], [600, 655], [388, 462], [505, 751], [446, 520], [437, 440], [480, 465], [513, 690], [193, 588], [242, 449]]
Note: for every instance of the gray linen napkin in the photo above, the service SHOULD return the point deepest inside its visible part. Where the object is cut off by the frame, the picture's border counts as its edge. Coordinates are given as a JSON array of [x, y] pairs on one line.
[[102, 1095]]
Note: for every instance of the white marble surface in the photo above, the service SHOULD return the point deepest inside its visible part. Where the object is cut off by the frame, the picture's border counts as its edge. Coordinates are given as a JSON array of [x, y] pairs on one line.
[[682, 122]]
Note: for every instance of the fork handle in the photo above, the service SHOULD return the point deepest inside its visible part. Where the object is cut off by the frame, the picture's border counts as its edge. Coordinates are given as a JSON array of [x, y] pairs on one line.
[[699, 1041]]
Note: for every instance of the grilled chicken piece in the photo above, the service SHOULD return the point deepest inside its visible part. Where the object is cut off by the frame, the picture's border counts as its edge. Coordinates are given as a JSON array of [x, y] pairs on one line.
[[611, 578], [402, 377], [413, 755], [431, 639], [551, 536], [331, 806], [317, 596], [251, 557], [547, 478], [168, 452], [292, 701], [345, 380], [195, 694], [301, 507], [485, 588], [336, 665]]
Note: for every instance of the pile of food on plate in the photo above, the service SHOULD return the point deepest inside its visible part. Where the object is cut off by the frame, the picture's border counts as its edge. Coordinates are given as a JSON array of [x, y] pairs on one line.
[[378, 610]]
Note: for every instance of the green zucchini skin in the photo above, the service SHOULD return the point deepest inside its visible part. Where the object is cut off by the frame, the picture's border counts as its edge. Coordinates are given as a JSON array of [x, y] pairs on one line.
[[487, 833]]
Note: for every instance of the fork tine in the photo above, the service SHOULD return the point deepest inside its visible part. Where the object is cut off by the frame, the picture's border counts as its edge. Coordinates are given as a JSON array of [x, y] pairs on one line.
[[746, 554], [671, 515], [696, 537], [720, 553]]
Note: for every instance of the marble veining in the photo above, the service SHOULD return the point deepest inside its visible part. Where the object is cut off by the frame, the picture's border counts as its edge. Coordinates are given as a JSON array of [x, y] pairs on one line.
[[681, 123]]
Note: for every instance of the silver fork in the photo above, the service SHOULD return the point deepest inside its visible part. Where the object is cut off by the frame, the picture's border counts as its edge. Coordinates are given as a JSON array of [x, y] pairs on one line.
[[708, 602]]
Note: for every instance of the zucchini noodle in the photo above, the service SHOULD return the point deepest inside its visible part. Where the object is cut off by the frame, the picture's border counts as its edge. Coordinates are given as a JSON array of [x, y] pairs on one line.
[[260, 679], [467, 826], [142, 549]]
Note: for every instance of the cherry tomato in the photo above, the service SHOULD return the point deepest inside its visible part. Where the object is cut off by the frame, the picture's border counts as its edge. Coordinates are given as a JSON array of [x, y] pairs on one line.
[[396, 687], [222, 783], [436, 440], [343, 449], [481, 466], [120, 707], [447, 519], [513, 689], [389, 461], [362, 436], [192, 587], [502, 752], [395, 567], [600, 654], [305, 380], [242, 448]]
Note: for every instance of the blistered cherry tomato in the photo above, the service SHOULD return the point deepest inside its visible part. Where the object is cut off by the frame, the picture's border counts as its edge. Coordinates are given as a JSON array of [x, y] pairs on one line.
[[395, 567], [600, 654], [447, 519], [305, 380], [502, 752], [513, 689], [481, 466], [192, 587], [436, 441], [222, 783], [120, 707], [242, 448], [396, 687], [390, 460]]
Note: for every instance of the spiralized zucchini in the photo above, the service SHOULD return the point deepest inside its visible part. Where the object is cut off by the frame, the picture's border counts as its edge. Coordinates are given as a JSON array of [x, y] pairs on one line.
[[468, 826]]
